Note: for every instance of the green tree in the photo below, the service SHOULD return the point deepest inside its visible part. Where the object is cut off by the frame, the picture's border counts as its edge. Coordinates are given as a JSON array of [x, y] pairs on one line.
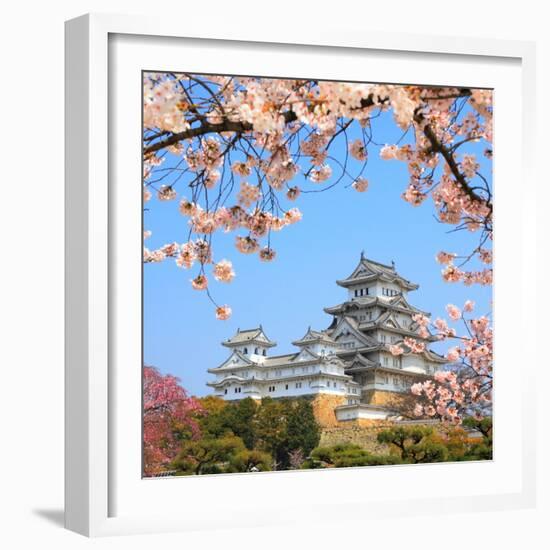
[[239, 419], [480, 449], [207, 456], [414, 444], [345, 456], [249, 461], [230, 419], [303, 432], [270, 426]]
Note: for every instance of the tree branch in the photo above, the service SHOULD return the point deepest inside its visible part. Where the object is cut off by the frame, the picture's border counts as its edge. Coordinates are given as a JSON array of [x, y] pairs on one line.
[[209, 128], [445, 152]]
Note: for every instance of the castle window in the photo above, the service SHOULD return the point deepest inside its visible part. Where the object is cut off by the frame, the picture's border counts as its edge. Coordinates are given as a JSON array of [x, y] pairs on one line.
[[298, 384], [256, 351], [264, 352], [246, 351], [286, 386], [225, 391], [366, 290]]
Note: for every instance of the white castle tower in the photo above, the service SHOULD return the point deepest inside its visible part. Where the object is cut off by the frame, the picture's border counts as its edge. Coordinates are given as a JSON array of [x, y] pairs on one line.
[[350, 359]]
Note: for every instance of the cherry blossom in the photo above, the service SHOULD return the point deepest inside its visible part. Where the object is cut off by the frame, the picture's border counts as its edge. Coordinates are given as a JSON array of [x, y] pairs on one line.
[[267, 132], [200, 282], [223, 313], [166, 409], [466, 387], [360, 185], [223, 271]]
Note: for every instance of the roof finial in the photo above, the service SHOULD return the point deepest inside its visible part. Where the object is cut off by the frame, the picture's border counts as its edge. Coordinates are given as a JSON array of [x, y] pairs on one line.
[[393, 264], [362, 255]]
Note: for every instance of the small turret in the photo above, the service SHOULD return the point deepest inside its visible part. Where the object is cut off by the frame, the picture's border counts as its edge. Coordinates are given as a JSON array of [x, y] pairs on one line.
[[250, 342]]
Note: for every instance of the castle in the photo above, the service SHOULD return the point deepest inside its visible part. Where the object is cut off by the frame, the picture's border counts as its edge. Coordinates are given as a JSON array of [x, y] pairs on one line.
[[348, 365]]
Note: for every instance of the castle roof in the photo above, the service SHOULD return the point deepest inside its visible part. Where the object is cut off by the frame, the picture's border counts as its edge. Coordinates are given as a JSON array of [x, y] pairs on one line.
[[368, 270], [249, 336], [359, 363], [397, 303], [348, 325], [388, 322], [314, 336]]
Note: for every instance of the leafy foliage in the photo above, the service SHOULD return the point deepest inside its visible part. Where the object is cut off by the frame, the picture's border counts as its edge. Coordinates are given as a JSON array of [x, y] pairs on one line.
[[207, 456], [277, 434], [345, 456]]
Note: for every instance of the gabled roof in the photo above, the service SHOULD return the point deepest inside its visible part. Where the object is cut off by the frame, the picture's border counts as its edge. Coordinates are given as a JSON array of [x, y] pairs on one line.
[[276, 360], [387, 321], [243, 360], [352, 328], [252, 336], [359, 362], [305, 355], [398, 303], [401, 303], [312, 336], [369, 270]]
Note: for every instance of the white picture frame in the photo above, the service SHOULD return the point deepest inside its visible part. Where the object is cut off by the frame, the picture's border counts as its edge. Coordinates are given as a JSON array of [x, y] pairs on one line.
[[102, 498]]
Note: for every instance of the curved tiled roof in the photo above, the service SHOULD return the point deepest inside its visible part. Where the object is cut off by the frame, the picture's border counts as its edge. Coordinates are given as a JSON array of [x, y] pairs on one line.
[[369, 270], [253, 335]]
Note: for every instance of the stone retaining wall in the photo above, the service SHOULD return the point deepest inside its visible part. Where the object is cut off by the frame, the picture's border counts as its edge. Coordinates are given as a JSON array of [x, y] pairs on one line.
[[323, 409], [362, 433]]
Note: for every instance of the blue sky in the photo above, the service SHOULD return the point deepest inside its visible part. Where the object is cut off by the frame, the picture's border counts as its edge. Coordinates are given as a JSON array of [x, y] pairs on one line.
[[181, 334]]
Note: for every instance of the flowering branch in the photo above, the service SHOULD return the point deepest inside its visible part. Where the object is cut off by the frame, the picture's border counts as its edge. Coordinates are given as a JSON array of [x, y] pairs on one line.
[[243, 141]]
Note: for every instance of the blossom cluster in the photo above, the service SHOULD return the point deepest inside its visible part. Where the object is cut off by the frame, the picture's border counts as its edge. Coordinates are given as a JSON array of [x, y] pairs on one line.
[[466, 387], [242, 141], [166, 407]]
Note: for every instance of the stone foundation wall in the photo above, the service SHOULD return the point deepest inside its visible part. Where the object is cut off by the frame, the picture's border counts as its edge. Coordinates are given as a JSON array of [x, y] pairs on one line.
[[323, 409], [382, 398], [364, 432], [357, 432]]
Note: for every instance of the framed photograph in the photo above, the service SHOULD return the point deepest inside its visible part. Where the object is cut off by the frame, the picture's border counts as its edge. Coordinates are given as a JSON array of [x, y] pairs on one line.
[[295, 276]]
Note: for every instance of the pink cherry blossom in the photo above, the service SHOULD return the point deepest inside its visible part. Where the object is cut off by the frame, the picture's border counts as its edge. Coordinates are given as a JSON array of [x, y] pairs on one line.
[[360, 185], [223, 271], [223, 313], [271, 130], [454, 312], [200, 282], [358, 150], [396, 349], [166, 193], [267, 254]]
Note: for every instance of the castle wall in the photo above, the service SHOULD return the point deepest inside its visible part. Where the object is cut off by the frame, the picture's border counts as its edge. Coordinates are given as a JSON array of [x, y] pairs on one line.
[[382, 398], [358, 432], [323, 408]]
